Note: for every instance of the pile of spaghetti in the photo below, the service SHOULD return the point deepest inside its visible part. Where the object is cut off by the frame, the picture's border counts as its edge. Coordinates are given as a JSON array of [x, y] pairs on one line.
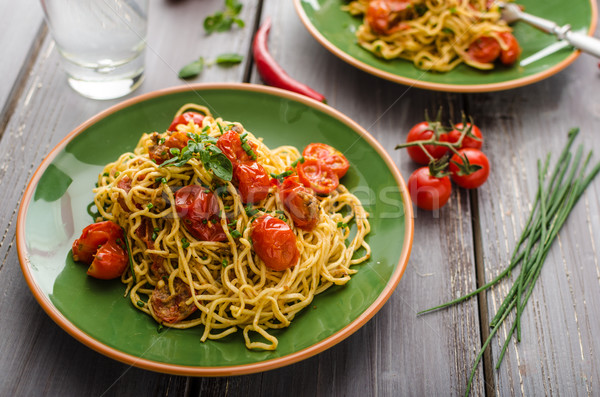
[[211, 243], [436, 35]]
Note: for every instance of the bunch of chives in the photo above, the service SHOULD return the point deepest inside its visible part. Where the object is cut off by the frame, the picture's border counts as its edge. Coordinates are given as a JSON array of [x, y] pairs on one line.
[[556, 195]]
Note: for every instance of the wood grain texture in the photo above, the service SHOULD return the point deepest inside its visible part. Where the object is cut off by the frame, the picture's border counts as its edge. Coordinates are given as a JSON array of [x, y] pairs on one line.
[[22, 30], [558, 354]]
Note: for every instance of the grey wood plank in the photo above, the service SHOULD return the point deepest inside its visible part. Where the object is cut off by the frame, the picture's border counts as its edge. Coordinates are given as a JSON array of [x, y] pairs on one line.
[[396, 353], [21, 23], [559, 352], [38, 358]]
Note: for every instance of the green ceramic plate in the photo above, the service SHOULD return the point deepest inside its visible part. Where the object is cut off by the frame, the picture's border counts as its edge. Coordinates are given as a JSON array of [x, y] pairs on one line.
[[334, 29], [53, 213]]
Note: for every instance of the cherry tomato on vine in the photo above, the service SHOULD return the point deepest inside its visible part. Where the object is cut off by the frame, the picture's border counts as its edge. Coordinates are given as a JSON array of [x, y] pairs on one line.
[[185, 118], [511, 54], [475, 179], [484, 49], [454, 136], [420, 132], [317, 175], [429, 192], [329, 155], [274, 242]]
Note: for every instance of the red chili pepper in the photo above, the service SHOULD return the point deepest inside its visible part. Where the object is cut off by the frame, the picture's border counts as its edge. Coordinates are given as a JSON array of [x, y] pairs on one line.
[[273, 74]]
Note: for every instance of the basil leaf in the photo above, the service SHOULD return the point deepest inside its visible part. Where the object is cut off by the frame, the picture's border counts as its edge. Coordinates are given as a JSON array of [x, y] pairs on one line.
[[221, 166], [204, 156], [192, 69], [211, 21], [229, 59]]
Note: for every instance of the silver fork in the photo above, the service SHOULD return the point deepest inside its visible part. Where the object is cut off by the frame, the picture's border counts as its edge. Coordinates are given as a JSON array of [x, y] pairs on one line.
[[511, 12]]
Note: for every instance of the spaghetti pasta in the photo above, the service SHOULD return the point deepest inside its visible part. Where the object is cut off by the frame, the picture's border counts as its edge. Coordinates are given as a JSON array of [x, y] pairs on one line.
[[183, 281], [436, 35]]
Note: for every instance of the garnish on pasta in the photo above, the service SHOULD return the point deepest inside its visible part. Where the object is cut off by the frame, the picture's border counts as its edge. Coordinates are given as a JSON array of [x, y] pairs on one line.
[[209, 227], [436, 35]]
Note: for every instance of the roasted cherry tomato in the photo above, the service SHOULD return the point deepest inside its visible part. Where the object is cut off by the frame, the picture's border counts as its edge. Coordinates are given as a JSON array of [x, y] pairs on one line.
[[477, 178], [172, 308], [512, 53], [177, 140], [185, 118], [428, 192], [484, 49], [92, 237], [253, 181], [421, 132], [109, 262], [454, 136], [196, 202], [231, 146], [382, 17], [328, 155], [274, 242], [199, 209], [159, 153], [317, 175], [300, 202]]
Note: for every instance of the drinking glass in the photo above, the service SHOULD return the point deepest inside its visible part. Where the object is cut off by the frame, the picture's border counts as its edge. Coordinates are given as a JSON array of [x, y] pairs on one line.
[[102, 43]]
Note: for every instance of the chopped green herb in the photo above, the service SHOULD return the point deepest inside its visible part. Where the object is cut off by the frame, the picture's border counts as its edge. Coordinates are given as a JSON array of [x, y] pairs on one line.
[[140, 303], [161, 141], [448, 31], [250, 211], [342, 225], [154, 236], [150, 206], [185, 243], [160, 328], [299, 160], [243, 136], [236, 234], [281, 176], [105, 174], [131, 157]]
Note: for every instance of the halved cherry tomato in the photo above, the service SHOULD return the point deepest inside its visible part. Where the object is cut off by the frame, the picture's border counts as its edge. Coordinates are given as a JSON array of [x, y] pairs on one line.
[[231, 146], [300, 202], [93, 236], [199, 209], [428, 192], [421, 132], [510, 55], [185, 118], [329, 155], [477, 178], [253, 181], [172, 308], [274, 242], [317, 175], [109, 262], [177, 140], [454, 136], [484, 49]]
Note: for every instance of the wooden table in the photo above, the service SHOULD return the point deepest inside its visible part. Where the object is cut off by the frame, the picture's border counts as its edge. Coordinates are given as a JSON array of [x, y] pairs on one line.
[[396, 353]]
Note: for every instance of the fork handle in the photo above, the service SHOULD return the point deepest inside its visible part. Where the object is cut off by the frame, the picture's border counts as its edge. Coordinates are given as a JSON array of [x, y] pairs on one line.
[[588, 44], [540, 23]]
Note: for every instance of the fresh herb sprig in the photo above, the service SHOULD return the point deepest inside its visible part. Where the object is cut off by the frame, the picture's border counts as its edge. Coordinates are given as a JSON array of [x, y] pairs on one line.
[[202, 146], [555, 198], [222, 21]]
